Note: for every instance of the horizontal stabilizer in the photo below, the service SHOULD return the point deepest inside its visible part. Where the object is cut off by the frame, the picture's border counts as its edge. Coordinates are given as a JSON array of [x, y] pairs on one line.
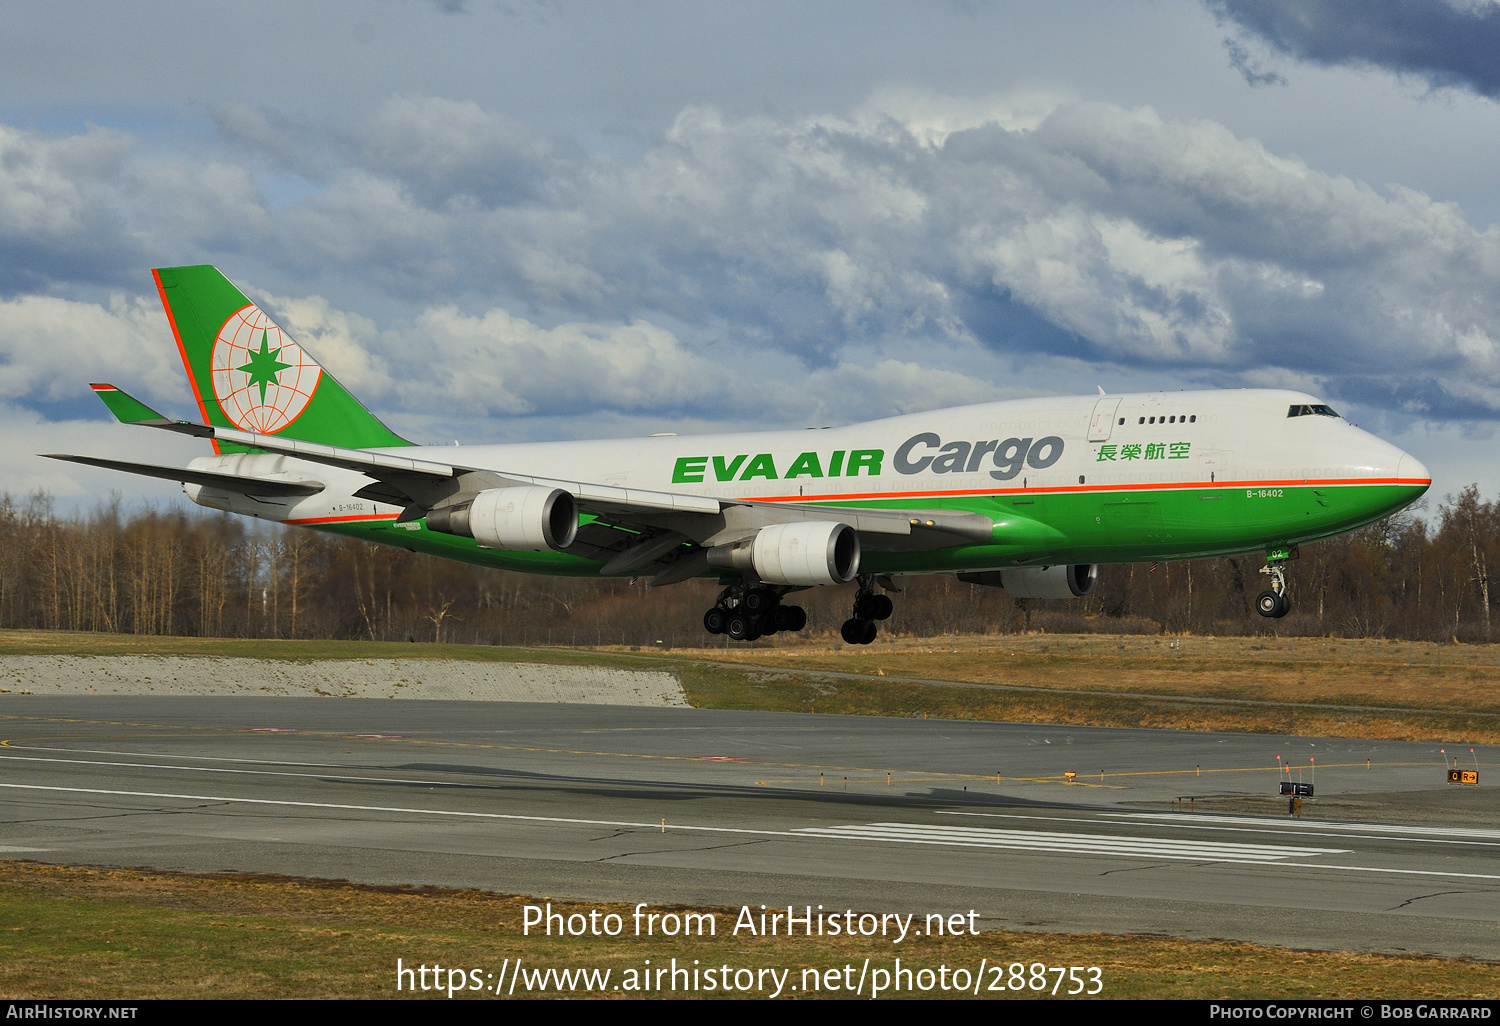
[[229, 482], [127, 408]]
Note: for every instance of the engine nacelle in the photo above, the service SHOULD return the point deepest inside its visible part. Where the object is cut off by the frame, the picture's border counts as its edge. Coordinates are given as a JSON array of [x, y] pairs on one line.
[[522, 518], [804, 553], [1073, 580]]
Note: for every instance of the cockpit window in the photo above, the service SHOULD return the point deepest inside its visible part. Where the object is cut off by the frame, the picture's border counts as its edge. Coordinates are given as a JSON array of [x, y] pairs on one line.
[[1312, 410]]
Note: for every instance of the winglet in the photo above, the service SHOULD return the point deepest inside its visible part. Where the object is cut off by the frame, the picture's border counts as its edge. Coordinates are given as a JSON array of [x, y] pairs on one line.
[[128, 409]]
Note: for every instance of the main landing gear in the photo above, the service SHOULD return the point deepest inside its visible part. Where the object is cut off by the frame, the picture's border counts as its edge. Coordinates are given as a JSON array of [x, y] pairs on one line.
[[860, 628], [745, 613], [1273, 602]]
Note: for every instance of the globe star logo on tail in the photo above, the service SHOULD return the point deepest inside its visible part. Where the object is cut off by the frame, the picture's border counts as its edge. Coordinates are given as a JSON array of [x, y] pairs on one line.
[[262, 379]]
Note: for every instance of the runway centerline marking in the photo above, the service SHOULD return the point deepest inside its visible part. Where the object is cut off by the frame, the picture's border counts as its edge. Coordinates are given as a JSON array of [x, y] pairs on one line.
[[799, 834]]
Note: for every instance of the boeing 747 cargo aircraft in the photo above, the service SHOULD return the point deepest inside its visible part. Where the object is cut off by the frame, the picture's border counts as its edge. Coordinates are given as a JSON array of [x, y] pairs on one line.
[[1029, 495]]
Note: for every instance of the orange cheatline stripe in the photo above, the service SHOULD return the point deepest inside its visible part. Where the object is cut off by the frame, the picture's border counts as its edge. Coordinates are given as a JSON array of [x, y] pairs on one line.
[[1068, 489], [344, 520], [1201, 485]]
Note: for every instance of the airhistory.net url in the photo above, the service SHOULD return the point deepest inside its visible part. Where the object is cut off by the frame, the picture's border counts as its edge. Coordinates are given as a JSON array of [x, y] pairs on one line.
[[515, 976]]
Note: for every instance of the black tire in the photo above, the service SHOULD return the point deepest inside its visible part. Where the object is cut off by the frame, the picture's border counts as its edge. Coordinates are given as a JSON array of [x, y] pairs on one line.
[[882, 607], [864, 607], [714, 620], [1284, 606], [1268, 603], [853, 631], [869, 633], [790, 618], [758, 600], [739, 627], [766, 624]]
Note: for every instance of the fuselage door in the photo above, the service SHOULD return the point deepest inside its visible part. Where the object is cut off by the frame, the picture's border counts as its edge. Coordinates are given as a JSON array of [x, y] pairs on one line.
[[1103, 421]]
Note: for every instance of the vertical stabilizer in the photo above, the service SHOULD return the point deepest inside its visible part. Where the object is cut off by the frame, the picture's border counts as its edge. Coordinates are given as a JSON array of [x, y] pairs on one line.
[[247, 373]]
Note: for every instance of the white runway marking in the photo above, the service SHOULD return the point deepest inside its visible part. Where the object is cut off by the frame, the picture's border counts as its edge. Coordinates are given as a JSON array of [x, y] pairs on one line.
[[1071, 843], [806, 833]]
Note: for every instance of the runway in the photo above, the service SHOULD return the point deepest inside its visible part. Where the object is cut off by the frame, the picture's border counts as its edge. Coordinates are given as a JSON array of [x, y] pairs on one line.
[[1159, 831]]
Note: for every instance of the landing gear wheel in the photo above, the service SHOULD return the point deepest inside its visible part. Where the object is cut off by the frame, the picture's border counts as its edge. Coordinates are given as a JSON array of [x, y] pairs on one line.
[[858, 632], [789, 618], [1270, 604], [714, 620], [758, 600], [740, 627], [870, 606], [1274, 603]]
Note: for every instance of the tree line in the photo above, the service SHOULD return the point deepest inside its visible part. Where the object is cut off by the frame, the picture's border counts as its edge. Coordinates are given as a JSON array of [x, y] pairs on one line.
[[189, 572]]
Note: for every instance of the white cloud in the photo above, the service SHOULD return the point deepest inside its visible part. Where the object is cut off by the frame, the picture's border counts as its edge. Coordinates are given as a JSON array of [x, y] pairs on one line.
[[445, 149], [51, 349], [211, 206], [760, 265], [59, 208], [497, 364]]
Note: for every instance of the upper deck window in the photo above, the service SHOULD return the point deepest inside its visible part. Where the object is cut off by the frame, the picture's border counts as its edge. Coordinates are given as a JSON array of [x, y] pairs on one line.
[[1313, 410]]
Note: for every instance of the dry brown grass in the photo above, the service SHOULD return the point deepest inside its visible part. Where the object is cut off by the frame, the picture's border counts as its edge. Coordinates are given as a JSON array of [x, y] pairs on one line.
[[1330, 687]]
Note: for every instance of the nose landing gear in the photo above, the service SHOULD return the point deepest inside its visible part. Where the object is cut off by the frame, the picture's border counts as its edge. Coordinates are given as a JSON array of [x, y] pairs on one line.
[[1274, 602], [860, 629]]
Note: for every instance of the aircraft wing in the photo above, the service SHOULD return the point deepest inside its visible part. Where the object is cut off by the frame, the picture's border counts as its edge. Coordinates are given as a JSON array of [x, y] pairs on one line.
[[629, 530], [251, 486]]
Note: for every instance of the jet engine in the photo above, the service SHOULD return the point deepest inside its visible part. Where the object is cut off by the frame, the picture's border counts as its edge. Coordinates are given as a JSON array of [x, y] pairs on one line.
[[803, 553], [522, 518], [1073, 580]]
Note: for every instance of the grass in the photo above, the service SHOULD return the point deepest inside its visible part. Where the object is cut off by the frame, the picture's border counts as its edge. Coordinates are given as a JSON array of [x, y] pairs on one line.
[[1282, 686], [1372, 689], [69, 932], [85, 643]]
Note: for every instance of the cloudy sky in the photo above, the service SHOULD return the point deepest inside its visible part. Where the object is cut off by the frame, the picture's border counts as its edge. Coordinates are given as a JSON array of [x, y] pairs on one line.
[[504, 220]]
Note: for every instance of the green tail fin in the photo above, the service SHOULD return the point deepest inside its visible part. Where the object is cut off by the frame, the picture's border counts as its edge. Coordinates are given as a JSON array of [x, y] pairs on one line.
[[247, 373]]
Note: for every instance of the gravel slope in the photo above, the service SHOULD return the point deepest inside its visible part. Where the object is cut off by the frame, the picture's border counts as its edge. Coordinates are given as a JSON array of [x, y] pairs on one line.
[[336, 678]]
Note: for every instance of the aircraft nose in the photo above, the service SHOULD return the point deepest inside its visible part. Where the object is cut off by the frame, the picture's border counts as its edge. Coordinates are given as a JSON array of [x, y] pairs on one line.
[[1411, 470]]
